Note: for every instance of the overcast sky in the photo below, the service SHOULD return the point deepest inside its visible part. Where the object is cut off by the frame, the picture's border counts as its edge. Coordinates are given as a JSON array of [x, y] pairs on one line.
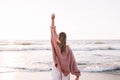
[[80, 19]]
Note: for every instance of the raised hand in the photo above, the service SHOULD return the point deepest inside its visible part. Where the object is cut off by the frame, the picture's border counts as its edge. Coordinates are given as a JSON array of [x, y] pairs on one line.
[[53, 16]]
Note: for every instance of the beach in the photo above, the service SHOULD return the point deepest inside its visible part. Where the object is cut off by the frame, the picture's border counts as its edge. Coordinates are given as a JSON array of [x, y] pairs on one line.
[[32, 60], [48, 76]]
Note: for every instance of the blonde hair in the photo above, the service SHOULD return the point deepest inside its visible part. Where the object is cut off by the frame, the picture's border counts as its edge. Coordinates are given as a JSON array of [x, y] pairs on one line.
[[62, 39]]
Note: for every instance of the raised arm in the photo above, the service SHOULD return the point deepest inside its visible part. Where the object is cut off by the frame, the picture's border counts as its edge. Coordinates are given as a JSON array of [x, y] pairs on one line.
[[55, 47], [53, 29], [54, 37]]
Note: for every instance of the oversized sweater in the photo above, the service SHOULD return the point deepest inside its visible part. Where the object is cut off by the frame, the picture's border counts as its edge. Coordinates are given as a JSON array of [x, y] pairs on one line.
[[65, 61]]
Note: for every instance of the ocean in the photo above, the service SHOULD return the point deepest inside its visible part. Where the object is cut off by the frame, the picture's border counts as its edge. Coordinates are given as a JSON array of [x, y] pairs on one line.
[[36, 55]]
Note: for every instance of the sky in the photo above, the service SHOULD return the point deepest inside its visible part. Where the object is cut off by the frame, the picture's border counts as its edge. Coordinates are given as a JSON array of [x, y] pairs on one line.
[[80, 19]]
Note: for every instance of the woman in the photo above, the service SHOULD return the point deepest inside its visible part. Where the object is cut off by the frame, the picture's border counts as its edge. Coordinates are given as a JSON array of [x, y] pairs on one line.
[[64, 61]]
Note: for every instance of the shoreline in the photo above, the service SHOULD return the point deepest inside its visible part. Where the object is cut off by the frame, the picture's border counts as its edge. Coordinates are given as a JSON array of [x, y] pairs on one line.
[[48, 76]]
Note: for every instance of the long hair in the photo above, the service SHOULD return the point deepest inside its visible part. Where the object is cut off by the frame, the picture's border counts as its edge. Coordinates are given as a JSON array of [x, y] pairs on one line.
[[62, 39]]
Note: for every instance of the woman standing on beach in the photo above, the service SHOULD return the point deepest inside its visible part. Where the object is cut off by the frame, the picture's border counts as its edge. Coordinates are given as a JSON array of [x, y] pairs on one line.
[[64, 61]]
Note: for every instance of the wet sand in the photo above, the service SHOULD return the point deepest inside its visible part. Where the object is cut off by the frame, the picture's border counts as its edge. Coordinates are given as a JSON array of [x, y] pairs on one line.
[[48, 76]]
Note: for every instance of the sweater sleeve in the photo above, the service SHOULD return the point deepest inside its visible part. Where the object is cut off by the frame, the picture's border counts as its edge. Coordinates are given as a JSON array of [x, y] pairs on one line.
[[53, 35], [55, 47], [54, 57], [73, 65]]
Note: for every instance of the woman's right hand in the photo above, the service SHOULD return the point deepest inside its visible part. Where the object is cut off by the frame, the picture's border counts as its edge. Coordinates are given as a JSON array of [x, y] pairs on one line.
[[53, 16]]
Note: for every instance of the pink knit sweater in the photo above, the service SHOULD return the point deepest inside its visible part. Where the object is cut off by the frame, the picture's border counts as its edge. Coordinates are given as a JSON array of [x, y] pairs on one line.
[[65, 62]]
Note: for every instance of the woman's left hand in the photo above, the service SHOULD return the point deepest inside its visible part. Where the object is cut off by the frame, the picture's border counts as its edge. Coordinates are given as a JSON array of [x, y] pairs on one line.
[[77, 78]]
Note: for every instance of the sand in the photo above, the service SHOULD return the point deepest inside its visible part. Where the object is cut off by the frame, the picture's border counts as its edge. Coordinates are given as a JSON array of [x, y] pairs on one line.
[[47, 76]]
